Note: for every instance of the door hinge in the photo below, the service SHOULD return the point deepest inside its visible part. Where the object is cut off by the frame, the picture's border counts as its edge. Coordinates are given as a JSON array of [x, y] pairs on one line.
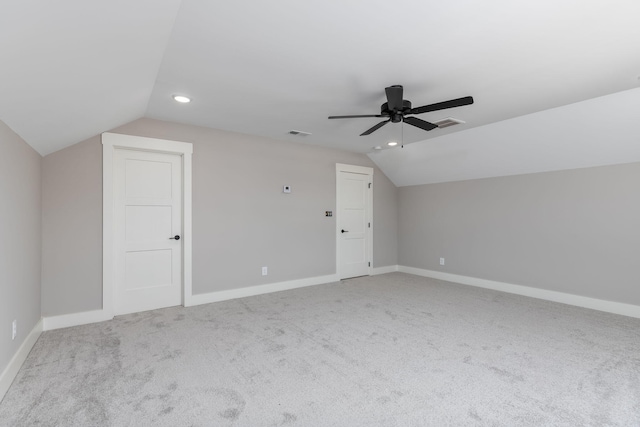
[[369, 225], [369, 185], [369, 264]]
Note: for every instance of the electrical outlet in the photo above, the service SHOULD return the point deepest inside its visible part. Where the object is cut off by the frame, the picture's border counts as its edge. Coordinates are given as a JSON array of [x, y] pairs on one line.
[[441, 261], [264, 271], [14, 329]]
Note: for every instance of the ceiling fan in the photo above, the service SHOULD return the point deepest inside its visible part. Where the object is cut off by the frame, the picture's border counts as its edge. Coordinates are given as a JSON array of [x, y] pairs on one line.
[[396, 109]]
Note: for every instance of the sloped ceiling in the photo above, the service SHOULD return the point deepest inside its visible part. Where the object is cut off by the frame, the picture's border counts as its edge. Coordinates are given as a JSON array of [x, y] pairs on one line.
[[72, 69], [596, 132]]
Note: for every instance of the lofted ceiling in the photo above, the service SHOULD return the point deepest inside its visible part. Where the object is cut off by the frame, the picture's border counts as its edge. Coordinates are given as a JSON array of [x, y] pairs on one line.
[[72, 69]]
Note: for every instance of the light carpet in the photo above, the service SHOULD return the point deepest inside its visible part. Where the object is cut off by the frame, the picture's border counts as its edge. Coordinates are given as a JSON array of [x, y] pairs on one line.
[[389, 350]]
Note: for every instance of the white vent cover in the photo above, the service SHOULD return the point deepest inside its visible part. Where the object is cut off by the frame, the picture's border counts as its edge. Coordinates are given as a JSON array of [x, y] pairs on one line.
[[299, 133], [449, 121]]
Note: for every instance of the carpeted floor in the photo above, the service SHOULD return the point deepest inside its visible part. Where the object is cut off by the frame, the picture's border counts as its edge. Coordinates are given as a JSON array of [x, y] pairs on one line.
[[390, 350]]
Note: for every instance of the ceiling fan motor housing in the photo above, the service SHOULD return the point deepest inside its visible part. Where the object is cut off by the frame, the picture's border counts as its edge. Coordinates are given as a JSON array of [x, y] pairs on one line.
[[396, 116]]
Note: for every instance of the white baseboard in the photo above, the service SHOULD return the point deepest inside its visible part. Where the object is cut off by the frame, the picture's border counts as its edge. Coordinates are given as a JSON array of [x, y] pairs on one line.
[[384, 270], [571, 299], [10, 372], [95, 316], [74, 319], [260, 289]]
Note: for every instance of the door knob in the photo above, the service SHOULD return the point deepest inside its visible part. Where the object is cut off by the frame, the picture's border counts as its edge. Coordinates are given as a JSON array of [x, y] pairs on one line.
[[176, 237], [344, 231]]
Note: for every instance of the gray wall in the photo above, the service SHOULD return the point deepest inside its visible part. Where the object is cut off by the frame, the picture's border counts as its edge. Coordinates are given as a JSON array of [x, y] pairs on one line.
[[241, 219], [72, 229], [575, 231], [20, 192]]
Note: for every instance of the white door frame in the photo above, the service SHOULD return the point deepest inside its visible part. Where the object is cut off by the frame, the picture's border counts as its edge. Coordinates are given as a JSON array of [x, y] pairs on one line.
[[365, 171], [110, 143]]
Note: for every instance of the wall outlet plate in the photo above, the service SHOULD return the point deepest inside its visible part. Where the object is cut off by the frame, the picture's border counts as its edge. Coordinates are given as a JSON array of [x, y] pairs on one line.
[[264, 271], [14, 329], [441, 261]]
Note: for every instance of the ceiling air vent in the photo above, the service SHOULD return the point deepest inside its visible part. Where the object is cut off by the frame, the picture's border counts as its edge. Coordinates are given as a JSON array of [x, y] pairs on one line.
[[449, 121], [299, 133]]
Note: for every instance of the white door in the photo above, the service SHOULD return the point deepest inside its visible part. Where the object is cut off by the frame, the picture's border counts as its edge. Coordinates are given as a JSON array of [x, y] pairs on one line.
[[354, 222], [148, 230]]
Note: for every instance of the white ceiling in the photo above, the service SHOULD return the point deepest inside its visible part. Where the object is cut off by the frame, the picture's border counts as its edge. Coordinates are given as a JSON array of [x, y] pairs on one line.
[[72, 69]]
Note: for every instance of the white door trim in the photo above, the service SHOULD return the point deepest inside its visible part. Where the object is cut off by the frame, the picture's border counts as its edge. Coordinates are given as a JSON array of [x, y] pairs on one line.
[[111, 142], [340, 167]]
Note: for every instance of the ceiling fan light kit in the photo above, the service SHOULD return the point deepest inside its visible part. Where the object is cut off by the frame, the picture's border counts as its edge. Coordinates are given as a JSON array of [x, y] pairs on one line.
[[396, 110]]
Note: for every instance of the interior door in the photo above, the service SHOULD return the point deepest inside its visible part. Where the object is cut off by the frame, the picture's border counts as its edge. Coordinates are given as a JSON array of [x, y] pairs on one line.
[[148, 230], [354, 222]]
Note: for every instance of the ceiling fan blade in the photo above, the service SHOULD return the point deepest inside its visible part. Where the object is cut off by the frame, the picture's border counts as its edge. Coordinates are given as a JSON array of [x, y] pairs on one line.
[[422, 124], [467, 100], [355, 117], [375, 128], [394, 97]]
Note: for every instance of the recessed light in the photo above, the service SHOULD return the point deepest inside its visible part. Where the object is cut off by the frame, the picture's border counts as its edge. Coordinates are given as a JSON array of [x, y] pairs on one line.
[[181, 98], [392, 144]]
